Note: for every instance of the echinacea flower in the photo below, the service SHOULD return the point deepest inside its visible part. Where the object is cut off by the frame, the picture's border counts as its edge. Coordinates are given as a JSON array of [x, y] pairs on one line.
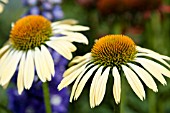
[[27, 48], [109, 56], [34, 97]]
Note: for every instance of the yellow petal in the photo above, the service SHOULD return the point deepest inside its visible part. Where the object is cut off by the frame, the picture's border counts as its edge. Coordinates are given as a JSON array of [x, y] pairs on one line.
[[78, 59], [84, 80], [10, 67], [67, 21], [29, 70], [4, 59], [93, 87], [152, 69], [20, 78], [103, 80], [117, 85], [75, 37], [70, 78], [83, 70], [157, 57], [74, 68], [48, 59], [3, 49], [144, 50], [38, 64], [145, 76], [134, 82], [45, 70], [64, 51], [71, 27], [65, 43]]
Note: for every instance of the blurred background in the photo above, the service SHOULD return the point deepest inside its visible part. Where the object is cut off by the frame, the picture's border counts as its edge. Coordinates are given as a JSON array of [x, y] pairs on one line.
[[147, 22]]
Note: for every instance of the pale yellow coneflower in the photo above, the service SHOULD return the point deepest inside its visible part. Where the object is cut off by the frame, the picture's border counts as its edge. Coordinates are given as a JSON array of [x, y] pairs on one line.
[[110, 55], [27, 48]]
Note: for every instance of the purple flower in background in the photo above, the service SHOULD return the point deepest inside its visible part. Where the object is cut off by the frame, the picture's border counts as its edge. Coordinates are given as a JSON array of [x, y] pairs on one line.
[[48, 8], [30, 100]]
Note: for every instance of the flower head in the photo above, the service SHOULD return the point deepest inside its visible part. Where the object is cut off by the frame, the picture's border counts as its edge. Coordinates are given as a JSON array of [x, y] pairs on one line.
[[30, 32], [113, 50], [109, 56], [33, 98], [27, 47]]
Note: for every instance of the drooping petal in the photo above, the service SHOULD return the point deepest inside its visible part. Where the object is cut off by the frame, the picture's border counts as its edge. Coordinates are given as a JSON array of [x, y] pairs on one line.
[[159, 67], [116, 85], [71, 27], [74, 68], [10, 67], [152, 69], [144, 50], [134, 82], [67, 21], [45, 71], [66, 43], [145, 76], [78, 59], [103, 80], [77, 81], [48, 59], [154, 57], [93, 86], [20, 78], [83, 81], [64, 51], [70, 78], [29, 70], [56, 32], [75, 37], [71, 46], [38, 64], [4, 59], [7, 56], [3, 49]]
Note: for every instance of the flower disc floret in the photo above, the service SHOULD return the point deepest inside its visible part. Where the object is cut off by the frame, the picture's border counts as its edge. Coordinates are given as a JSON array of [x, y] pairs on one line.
[[30, 32], [112, 50]]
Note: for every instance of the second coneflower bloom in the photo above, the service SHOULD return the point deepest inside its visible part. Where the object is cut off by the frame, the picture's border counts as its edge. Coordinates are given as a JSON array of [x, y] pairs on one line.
[[27, 48], [109, 56]]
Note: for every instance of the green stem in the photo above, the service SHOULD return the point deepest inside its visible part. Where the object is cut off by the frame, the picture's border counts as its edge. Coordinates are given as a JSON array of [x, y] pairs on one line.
[[123, 95], [46, 97], [152, 101]]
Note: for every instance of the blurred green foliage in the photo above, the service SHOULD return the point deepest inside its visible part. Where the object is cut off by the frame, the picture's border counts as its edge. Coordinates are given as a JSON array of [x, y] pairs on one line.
[[152, 33], [13, 11]]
